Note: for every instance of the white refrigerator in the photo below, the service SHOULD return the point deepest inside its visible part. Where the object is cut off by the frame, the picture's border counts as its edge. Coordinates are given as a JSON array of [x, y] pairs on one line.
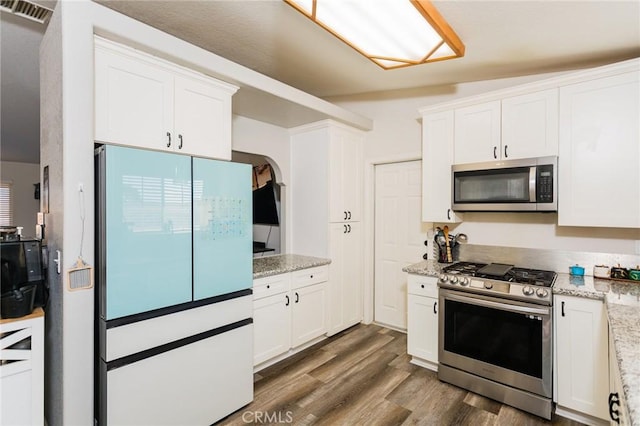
[[174, 330]]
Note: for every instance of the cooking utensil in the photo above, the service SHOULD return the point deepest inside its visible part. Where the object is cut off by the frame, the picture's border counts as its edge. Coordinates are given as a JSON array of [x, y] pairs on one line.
[[576, 270], [448, 246], [634, 274], [495, 269], [619, 273], [601, 271], [461, 238]]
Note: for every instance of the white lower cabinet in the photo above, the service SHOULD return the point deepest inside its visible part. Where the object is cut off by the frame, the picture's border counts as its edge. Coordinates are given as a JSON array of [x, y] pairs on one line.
[[272, 325], [22, 370], [308, 313], [289, 310], [422, 321], [581, 370]]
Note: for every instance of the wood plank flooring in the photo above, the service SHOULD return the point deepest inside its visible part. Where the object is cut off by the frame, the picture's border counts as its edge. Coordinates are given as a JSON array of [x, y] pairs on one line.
[[362, 376]]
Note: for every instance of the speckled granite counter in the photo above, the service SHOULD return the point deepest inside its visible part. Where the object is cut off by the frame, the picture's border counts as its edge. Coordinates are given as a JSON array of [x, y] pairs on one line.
[[624, 325], [430, 268], [283, 263]]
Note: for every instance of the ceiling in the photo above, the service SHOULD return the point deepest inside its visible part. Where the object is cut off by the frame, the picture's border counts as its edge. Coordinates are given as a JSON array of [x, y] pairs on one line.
[[502, 39]]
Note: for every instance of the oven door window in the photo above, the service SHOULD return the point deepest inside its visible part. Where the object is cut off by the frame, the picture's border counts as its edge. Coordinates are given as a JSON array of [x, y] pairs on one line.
[[493, 186], [505, 339]]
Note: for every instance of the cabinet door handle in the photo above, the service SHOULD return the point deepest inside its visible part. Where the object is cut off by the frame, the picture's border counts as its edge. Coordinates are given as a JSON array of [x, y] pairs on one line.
[[180, 144], [562, 308], [448, 214], [349, 215], [435, 309], [613, 412], [297, 297], [345, 229], [505, 151], [495, 152], [287, 296], [345, 215], [168, 139], [349, 226], [268, 286]]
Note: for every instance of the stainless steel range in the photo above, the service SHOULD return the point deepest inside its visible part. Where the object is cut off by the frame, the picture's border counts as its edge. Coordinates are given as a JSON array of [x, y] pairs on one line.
[[495, 333]]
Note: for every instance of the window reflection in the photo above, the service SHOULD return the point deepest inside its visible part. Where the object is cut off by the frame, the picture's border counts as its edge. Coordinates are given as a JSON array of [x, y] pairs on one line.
[[156, 204]]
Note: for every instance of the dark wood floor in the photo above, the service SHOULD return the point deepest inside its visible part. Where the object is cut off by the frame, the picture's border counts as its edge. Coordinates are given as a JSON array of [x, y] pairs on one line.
[[362, 376]]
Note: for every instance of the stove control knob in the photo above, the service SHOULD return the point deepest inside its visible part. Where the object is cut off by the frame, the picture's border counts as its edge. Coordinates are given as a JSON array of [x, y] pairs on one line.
[[453, 280], [527, 290], [443, 278], [464, 281], [541, 292], [488, 285]]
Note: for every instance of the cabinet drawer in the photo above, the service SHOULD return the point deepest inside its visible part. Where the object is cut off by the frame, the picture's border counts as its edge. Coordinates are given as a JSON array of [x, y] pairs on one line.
[[309, 276], [422, 286], [268, 286]]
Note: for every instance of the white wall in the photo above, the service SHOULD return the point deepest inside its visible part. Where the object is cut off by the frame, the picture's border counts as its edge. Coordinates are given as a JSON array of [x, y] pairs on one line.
[[255, 137], [25, 206]]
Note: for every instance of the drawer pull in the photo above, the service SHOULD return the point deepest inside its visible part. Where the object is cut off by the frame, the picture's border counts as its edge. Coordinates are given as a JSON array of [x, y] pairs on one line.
[[613, 412], [422, 285], [311, 276], [297, 297], [287, 296], [268, 286], [435, 306]]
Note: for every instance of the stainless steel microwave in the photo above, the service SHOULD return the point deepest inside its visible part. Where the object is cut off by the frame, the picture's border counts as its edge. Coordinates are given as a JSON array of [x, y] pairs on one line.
[[512, 185]]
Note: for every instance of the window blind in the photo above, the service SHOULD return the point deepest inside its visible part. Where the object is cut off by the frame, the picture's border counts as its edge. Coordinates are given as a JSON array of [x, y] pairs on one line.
[[6, 203]]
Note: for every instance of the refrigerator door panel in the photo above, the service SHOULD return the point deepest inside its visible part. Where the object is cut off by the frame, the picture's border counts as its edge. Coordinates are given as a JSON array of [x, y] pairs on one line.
[[196, 384], [148, 230], [222, 227]]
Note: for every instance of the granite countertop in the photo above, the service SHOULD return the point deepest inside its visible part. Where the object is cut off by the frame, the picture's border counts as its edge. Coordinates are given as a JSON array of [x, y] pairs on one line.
[[283, 263], [625, 333], [429, 268]]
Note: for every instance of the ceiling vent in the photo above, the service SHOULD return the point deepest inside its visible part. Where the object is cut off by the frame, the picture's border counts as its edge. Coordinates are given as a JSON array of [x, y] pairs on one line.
[[26, 9]]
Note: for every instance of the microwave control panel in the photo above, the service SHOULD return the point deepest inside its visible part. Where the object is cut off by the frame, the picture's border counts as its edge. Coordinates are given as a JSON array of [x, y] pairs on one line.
[[544, 187]]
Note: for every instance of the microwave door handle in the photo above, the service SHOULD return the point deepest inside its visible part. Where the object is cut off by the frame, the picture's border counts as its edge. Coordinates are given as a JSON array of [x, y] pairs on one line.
[[532, 184]]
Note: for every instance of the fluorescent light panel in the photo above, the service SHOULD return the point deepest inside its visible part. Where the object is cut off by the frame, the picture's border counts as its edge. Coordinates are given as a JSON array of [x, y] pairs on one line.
[[392, 33]]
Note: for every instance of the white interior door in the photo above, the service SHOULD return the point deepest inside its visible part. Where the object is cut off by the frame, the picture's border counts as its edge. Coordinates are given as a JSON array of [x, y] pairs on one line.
[[399, 237]]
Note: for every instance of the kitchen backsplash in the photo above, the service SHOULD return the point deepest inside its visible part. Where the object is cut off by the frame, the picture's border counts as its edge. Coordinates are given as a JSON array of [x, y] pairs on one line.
[[556, 260]]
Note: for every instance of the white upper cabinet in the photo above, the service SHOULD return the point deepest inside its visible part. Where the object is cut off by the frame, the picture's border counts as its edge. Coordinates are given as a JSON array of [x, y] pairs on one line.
[[202, 118], [530, 125], [516, 127], [345, 178], [477, 133], [133, 100], [598, 173], [146, 102], [437, 158]]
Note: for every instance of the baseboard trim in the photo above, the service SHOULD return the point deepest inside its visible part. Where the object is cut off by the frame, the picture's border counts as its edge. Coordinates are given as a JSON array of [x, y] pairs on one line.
[[579, 417], [290, 352], [424, 364]]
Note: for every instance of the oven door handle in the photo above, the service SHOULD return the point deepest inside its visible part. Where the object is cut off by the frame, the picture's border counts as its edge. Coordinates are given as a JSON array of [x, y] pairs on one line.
[[498, 305]]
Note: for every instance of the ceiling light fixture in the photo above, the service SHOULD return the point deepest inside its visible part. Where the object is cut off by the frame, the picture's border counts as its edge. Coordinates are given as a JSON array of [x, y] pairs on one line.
[[392, 33]]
